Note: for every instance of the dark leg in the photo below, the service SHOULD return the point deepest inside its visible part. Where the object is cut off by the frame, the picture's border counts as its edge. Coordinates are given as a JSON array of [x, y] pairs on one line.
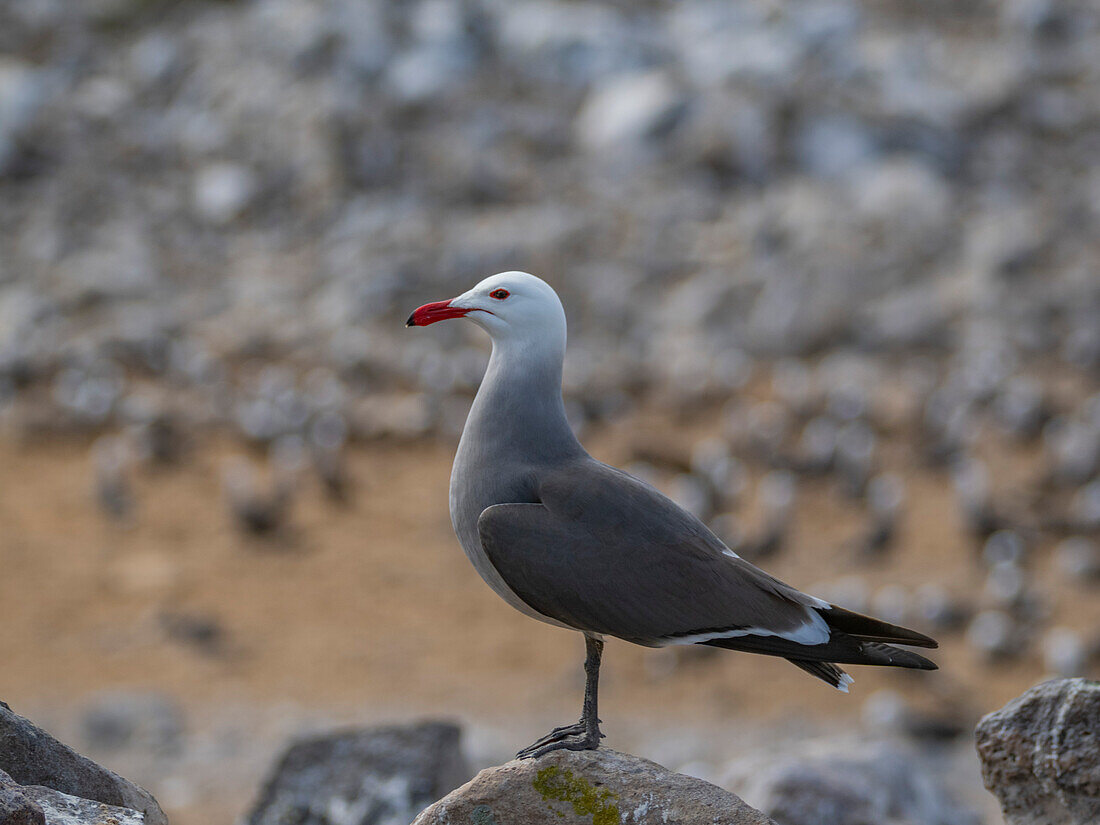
[[585, 735]]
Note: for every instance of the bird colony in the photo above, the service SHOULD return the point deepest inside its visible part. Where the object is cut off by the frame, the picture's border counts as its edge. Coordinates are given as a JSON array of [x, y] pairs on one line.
[[850, 232]]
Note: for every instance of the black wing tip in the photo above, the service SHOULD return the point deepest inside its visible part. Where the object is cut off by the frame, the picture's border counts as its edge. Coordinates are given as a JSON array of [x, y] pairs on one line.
[[924, 664], [872, 629], [916, 640], [895, 657], [840, 649]]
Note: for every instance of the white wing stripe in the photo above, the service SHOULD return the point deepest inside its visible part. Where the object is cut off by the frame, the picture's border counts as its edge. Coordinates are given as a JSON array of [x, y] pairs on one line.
[[813, 631]]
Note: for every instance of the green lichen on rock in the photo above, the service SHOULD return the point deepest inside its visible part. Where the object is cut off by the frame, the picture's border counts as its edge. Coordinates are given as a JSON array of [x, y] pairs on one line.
[[554, 783]]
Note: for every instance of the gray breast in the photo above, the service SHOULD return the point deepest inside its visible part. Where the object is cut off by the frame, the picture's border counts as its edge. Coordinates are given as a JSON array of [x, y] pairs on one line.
[[473, 488]]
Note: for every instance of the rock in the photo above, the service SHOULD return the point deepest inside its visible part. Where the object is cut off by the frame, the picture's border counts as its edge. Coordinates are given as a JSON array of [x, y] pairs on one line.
[[602, 787], [1078, 559], [119, 264], [722, 42], [1021, 406], [102, 98], [1073, 448], [1064, 652], [21, 93], [903, 197], [1004, 546], [222, 191], [561, 40], [1038, 754], [907, 317], [33, 757], [153, 58], [16, 807], [63, 809], [150, 721], [376, 776], [628, 109], [833, 147], [424, 73], [994, 635], [888, 712], [848, 784], [794, 385], [1085, 506]]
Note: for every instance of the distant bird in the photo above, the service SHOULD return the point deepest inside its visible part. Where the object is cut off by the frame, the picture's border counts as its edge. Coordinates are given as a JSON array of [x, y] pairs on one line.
[[885, 495], [112, 462], [777, 492], [259, 510], [576, 543], [970, 479], [332, 470], [161, 439], [205, 633], [326, 440]]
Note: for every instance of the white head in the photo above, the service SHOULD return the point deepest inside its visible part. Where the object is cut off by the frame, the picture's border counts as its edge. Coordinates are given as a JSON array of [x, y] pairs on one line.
[[513, 307]]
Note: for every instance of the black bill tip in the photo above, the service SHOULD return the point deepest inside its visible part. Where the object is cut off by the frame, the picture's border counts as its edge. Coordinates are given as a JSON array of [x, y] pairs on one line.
[[411, 322]]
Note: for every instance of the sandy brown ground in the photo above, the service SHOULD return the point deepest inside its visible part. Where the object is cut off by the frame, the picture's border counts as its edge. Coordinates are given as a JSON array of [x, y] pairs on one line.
[[373, 610]]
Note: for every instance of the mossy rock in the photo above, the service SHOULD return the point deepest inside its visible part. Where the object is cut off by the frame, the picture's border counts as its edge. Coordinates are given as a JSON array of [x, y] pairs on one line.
[[602, 787]]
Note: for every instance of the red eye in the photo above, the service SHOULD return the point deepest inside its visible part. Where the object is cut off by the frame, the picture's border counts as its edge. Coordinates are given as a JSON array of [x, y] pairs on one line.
[[499, 294]]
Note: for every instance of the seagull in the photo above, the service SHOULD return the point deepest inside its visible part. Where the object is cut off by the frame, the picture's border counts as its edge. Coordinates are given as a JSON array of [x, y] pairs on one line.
[[576, 543]]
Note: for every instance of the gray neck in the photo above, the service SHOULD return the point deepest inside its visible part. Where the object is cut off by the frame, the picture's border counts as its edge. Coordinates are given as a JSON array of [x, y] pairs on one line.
[[518, 411]]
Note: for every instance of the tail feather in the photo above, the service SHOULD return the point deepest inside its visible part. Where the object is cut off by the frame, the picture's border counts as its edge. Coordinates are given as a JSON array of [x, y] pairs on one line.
[[877, 653], [826, 672], [854, 639], [841, 649], [873, 630]]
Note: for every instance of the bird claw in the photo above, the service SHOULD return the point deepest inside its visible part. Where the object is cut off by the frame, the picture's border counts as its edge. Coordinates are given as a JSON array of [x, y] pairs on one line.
[[576, 729], [553, 740], [556, 735]]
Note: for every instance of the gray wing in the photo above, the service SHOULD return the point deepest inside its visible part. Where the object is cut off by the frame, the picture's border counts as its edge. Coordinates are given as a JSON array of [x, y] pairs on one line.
[[606, 553]]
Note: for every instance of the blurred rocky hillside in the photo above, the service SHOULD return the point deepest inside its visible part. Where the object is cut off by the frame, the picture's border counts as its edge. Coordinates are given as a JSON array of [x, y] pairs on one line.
[[223, 211], [857, 240]]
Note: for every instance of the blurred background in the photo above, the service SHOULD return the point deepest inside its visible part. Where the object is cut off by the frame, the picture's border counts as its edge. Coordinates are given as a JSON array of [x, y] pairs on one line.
[[831, 274]]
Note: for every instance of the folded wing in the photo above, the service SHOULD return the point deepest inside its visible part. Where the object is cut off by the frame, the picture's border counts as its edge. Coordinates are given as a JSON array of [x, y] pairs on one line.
[[606, 553]]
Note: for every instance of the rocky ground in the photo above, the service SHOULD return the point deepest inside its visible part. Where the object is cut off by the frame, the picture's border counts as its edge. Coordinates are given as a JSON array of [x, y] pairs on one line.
[[224, 210], [831, 271], [1036, 754]]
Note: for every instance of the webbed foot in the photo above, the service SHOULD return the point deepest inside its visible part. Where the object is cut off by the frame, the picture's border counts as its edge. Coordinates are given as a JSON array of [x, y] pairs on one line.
[[569, 737]]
